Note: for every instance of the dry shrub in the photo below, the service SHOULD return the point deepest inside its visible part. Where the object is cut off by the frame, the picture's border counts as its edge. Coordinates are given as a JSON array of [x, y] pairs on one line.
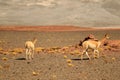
[[52, 50], [14, 53], [18, 50], [4, 52], [49, 50], [39, 49]]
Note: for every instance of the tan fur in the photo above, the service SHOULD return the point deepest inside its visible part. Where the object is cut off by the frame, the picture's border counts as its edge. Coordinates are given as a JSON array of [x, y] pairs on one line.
[[29, 48], [92, 44]]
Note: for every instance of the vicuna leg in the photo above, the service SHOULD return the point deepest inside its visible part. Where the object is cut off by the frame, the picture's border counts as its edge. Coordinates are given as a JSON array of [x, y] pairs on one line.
[[96, 52], [85, 52], [32, 55], [27, 54], [88, 55], [82, 55]]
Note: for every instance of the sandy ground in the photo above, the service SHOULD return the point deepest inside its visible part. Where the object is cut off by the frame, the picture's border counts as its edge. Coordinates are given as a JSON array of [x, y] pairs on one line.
[[56, 66]]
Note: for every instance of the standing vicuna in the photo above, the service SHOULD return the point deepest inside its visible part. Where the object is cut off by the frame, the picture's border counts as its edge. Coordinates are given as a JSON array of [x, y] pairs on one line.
[[29, 49], [92, 44]]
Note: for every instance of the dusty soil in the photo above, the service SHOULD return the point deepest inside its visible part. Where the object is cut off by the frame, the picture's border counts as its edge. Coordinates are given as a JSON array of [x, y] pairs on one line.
[[58, 65]]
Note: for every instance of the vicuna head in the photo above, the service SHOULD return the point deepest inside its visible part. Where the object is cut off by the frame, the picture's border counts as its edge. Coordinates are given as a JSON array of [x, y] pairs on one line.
[[107, 36]]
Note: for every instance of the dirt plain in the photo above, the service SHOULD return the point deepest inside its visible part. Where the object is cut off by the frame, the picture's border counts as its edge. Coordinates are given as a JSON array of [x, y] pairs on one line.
[[60, 65]]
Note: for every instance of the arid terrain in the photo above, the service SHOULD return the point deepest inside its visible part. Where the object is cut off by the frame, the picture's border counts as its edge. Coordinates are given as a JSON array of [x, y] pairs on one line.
[[56, 54]]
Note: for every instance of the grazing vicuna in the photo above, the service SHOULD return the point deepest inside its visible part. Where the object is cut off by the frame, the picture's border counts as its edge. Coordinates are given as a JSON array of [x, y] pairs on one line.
[[92, 44], [29, 49]]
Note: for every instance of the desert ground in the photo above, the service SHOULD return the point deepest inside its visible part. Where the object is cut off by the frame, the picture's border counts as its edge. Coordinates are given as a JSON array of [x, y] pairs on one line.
[[57, 56]]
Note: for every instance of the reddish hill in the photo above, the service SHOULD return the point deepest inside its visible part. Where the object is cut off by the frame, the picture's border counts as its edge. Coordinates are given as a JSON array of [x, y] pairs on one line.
[[52, 28]]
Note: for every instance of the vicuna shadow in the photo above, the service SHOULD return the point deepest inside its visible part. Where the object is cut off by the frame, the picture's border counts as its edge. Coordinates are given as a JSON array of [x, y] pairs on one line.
[[20, 59], [80, 59]]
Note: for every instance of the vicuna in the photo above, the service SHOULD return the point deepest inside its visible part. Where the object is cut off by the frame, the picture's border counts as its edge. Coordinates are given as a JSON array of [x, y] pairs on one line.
[[92, 44], [29, 49]]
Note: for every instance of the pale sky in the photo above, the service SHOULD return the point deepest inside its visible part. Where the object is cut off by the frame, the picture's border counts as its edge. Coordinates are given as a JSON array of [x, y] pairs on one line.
[[84, 13]]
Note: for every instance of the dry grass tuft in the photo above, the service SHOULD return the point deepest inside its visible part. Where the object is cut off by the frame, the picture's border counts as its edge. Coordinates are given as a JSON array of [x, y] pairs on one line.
[[14, 53], [65, 57], [53, 77], [1, 49], [1, 67], [35, 73], [4, 59], [113, 59], [70, 65], [6, 66], [69, 61]]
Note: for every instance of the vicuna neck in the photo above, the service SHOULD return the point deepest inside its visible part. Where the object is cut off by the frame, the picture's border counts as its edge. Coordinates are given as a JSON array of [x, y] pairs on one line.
[[103, 40], [34, 41]]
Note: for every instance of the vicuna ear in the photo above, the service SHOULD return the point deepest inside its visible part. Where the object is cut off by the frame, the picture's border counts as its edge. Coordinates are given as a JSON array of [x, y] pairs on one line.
[[106, 35], [34, 38]]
